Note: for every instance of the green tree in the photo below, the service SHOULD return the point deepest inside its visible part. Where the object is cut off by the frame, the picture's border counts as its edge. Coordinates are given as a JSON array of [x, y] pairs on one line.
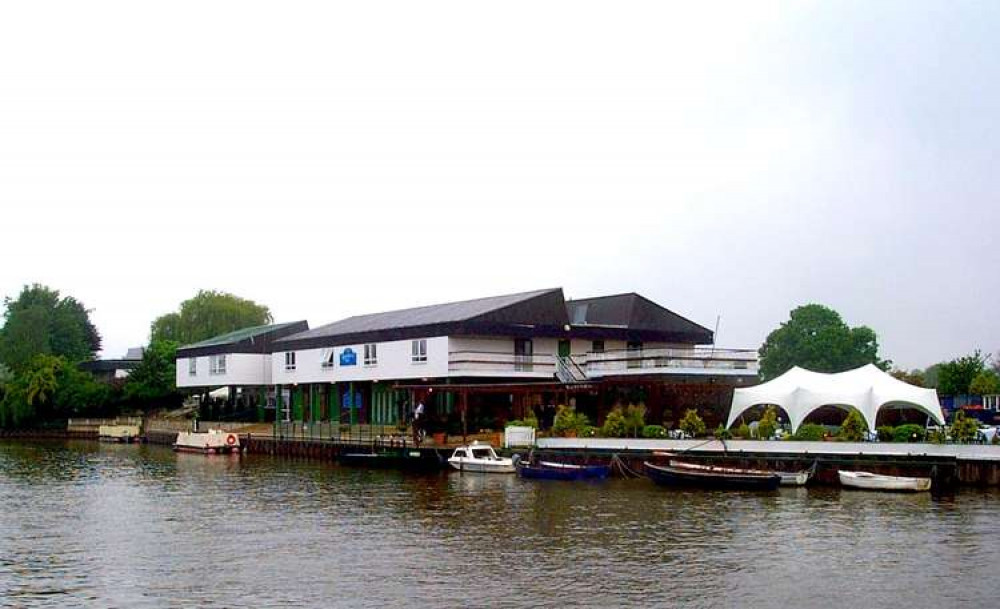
[[31, 391], [913, 377], [986, 382], [955, 377], [153, 381], [635, 419], [692, 424], [40, 321], [815, 337], [854, 427], [963, 428], [209, 314], [768, 423]]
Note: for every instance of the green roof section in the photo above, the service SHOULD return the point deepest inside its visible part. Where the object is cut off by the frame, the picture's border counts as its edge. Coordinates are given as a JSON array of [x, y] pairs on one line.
[[238, 335]]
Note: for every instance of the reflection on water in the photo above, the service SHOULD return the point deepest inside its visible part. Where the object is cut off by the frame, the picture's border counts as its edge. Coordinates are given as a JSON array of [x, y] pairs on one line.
[[133, 526]]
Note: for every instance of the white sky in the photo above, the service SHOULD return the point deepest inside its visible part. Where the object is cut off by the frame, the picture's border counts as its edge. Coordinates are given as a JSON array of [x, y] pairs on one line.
[[329, 159]]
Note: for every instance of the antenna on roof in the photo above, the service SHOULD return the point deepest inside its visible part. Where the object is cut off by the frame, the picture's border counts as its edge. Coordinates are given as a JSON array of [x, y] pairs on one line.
[[715, 335]]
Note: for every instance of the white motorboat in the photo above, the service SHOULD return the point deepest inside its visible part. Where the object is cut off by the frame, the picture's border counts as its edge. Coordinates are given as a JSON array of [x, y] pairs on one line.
[[480, 457], [878, 482], [795, 478], [213, 441]]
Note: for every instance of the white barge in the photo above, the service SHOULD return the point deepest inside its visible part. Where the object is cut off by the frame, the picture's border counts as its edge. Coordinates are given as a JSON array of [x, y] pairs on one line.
[[211, 442]]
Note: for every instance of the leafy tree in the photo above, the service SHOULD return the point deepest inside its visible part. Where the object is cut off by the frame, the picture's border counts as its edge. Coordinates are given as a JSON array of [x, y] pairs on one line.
[[768, 423], [815, 337], [692, 424], [40, 321], [913, 377], [31, 391], [615, 425], [963, 428], [209, 314], [721, 433], [954, 377], [568, 421], [854, 427], [986, 382], [154, 379], [79, 394], [635, 419], [931, 376]]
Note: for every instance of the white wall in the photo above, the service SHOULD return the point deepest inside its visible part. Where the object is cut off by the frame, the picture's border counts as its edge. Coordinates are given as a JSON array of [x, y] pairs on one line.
[[241, 369], [394, 363]]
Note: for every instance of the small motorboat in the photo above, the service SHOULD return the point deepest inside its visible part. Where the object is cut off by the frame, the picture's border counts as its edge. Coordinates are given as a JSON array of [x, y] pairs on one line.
[[480, 457], [878, 482], [710, 476], [795, 478], [123, 434], [211, 442], [551, 470]]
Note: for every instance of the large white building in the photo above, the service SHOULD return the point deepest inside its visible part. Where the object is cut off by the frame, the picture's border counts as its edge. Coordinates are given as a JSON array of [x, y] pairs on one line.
[[512, 352]]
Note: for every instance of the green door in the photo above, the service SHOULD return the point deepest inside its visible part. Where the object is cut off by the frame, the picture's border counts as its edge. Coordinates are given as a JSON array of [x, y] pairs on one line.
[[563, 348]]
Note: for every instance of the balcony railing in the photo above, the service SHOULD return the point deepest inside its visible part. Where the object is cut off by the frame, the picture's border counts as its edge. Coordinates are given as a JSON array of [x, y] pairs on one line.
[[698, 360], [482, 362]]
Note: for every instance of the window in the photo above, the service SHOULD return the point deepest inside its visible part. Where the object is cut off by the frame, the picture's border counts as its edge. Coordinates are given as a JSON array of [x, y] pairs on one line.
[[371, 354], [634, 355], [328, 358], [289, 360], [217, 364], [524, 350], [193, 366], [419, 351], [597, 346]]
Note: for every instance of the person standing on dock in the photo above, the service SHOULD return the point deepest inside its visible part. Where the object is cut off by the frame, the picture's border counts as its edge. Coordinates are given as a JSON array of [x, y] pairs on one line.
[[418, 421]]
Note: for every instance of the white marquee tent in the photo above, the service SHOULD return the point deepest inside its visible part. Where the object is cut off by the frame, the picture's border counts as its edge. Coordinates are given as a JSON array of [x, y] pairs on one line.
[[868, 389]]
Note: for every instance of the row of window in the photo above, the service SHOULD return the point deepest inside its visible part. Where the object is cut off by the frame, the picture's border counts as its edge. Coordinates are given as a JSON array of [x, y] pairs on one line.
[[328, 359], [216, 365]]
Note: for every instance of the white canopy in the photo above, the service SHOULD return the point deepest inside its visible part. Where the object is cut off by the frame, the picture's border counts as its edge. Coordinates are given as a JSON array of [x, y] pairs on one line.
[[867, 389]]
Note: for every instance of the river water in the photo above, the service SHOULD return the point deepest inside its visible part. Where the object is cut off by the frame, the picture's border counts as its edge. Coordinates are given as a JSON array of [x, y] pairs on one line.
[[83, 524]]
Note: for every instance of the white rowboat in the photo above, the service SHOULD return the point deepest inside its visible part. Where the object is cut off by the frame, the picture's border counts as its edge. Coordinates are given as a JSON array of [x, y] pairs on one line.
[[878, 482]]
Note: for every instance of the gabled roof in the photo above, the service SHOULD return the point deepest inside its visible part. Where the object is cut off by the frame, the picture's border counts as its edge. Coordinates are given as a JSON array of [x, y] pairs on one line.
[[637, 315], [255, 339], [511, 314]]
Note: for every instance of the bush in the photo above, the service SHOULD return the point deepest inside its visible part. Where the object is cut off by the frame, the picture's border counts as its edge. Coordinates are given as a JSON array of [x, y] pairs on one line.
[[635, 419], [937, 436], [810, 432], [529, 421], [743, 431], [854, 427], [768, 423], [692, 424], [721, 433], [909, 433], [654, 431], [615, 425], [964, 429], [886, 433], [589, 431], [568, 421]]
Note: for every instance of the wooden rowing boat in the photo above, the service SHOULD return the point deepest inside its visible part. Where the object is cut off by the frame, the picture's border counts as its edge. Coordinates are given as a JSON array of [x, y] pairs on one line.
[[878, 482], [708, 476]]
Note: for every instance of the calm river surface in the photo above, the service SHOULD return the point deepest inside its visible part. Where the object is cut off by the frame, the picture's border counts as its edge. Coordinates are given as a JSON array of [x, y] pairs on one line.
[[83, 524]]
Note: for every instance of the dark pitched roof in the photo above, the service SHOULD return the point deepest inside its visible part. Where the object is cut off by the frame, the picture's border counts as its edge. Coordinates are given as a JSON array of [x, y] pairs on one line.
[[256, 339], [638, 316], [525, 313]]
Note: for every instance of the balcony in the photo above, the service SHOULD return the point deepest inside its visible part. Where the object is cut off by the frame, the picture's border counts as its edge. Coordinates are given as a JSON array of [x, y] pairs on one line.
[[696, 360], [484, 363]]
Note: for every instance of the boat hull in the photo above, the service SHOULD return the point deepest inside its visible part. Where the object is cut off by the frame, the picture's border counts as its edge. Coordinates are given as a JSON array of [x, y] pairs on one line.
[[504, 466], [560, 471], [212, 442], [876, 482], [705, 478], [405, 461]]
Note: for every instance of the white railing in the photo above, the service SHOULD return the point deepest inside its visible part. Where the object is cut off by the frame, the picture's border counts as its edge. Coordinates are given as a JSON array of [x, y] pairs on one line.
[[697, 360], [507, 363]]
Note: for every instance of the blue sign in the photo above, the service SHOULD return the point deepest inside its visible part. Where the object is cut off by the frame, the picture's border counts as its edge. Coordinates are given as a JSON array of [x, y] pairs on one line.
[[348, 357]]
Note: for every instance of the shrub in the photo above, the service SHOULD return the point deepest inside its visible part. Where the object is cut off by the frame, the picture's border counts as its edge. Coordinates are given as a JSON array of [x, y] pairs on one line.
[[937, 436], [529, 421], [569, 421], [692, 424], [854, 427], [635, 419], [964, 429], [768, 423], [743, 431], [886, 433], [654, 431], [909, 433], [589, 431], [721, 433], [810, 432], [614, 424]]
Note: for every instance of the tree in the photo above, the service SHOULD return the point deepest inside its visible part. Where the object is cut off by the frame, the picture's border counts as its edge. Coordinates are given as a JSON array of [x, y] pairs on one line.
[[954, 377], [986, 382], [913, 377], [154, 379], [209, 314], [768, 423], [854, 427], [40, 321], [31, 391], [815, 337], [692, 424], [964, 429]]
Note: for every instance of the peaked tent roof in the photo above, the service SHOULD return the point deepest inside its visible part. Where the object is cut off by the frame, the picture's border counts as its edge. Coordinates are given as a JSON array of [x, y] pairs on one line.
[[868, 389], [255, 339], [635, 313], [510, 313]]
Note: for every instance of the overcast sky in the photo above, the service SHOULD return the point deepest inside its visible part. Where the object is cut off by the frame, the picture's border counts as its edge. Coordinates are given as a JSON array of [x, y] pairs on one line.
[[329, 159]]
